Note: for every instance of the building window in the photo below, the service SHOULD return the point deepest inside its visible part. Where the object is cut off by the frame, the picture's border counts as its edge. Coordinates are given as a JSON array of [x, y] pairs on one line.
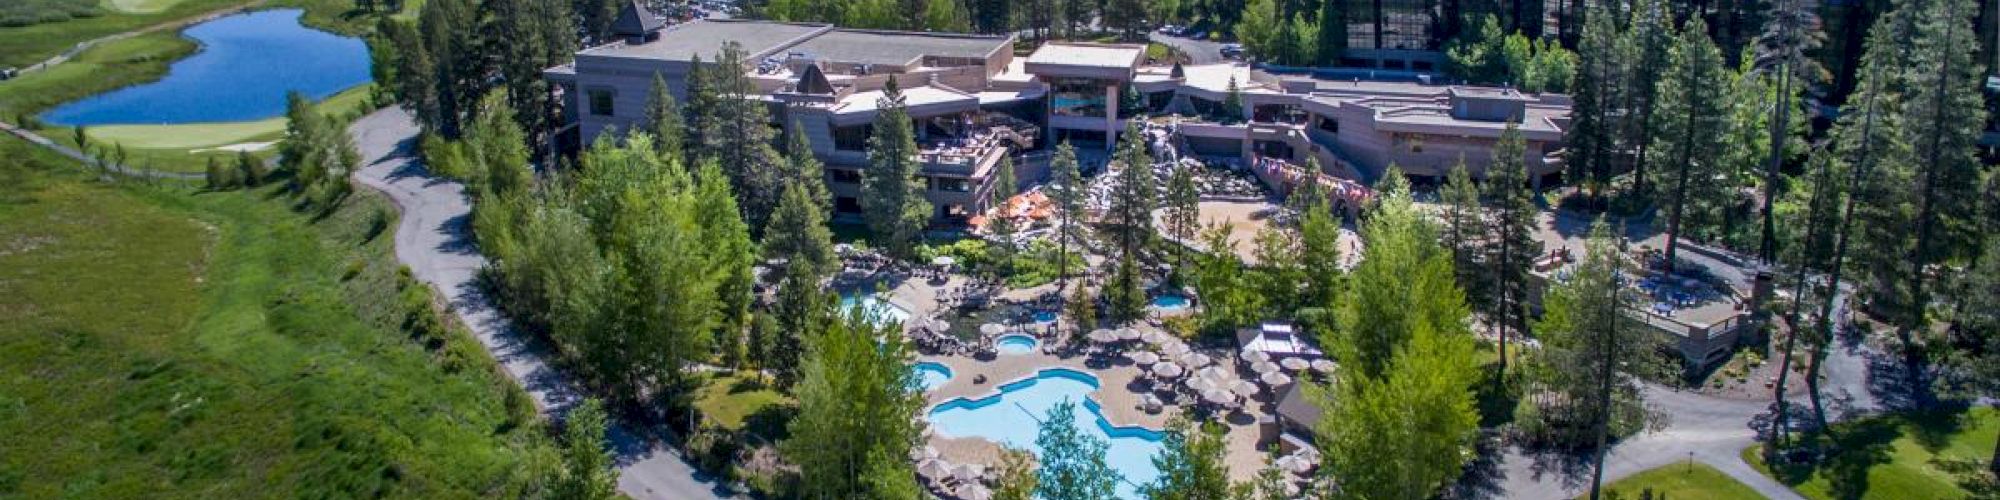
[[845, 176], [1077, 97], [1329, 124], [950, 184], [600, 102], [851, 138], [846, 205]]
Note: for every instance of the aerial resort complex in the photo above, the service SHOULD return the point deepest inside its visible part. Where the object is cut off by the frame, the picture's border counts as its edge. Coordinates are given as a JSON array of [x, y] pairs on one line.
[[1000, 250]]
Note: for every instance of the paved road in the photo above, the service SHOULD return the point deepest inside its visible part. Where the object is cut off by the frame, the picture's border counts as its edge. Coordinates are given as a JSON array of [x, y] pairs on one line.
[[434, 240], [1198, 51]]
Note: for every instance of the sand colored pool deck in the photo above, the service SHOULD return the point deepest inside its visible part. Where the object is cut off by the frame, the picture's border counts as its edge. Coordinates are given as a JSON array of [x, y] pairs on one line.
[[1120, 405]]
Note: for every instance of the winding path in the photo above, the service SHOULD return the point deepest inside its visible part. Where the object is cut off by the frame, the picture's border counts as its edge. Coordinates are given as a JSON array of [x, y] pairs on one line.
[[434, 239]]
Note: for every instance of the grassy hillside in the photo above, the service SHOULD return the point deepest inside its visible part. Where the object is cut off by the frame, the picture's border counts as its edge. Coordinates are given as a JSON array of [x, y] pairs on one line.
[[1930, 455], [156, 343], [21, 46]]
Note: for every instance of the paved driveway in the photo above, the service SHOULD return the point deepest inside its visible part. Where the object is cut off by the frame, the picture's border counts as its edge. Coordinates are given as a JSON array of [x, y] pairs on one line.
[[434, 239]]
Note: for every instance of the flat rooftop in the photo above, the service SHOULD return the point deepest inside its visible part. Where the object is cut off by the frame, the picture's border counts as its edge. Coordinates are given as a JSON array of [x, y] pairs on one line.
[[1093, 56], [896, 48], [705, 38]]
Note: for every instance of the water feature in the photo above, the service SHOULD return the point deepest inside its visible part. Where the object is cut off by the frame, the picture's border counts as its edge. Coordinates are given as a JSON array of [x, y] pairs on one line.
[[246, 65], [1170, 302], [1013, 417], [1045, 316], [931, 376], [1015, 344]]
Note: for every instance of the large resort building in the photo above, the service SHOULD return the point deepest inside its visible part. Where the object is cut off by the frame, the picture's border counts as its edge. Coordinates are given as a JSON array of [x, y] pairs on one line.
[[973, 100]]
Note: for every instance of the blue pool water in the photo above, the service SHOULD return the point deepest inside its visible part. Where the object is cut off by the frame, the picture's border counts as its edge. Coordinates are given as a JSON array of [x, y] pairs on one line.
[[931, 376], [1045, 316], [873, 305], [1013, 418], [246, 64], [1170, 302], [1015, 344]]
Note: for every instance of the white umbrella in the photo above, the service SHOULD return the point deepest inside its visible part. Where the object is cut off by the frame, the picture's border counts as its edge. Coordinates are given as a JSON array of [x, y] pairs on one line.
[[1196, 359], [1276, 378], [943, 260], [1293, 464], [1323, 366], [1143, 357], [1294, 363], [1217, 396], [968, 472], [1263, 367], [1156, 337], [1200, 384], [934, 468], [992, 328], [1128, 334], [1254, 356], [1217, 373], [973, 491], [1244, 388], [1176, 349], [1167, 369], [1102, 336]]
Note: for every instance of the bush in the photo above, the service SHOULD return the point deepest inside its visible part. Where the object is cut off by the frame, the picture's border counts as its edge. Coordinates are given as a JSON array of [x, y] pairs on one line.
[[713, 449]]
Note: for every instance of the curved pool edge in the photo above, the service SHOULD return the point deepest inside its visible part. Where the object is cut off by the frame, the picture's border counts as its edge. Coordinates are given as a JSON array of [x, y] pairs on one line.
[[993, 396]]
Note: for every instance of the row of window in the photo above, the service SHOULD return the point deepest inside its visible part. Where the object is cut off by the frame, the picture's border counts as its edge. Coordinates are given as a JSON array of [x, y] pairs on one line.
[[946, 184]]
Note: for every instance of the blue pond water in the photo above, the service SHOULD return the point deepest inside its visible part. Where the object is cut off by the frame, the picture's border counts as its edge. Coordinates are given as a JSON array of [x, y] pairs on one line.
[[873, 305], [931, 376], [246, 64], [1170, 302], [1013, 418], [1015, 344]]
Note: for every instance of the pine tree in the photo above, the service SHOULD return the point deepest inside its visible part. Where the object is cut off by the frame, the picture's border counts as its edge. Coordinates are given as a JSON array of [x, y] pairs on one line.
[[1067, 191], [893, 194], [525, 37], [727, 255], [1790, 34], [1319, 251], [1647, 46], [664, 120], [802, 311], [1332, 32], [798, 234], [1691, 121], [736, 132], [1592, 136], [1465, 235], [1002, 226], [1512, 246], [1129, 222], [1232, 104], [1073, 463], [806, 170], [249, 169], [1191, 462], [586, 471], [1183, 210]]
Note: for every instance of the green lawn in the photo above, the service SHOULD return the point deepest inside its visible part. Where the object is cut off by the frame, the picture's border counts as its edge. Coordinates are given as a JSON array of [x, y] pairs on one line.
[[1683, 480], [732, 401], [160, 344], [25, 45], [1895, 457]]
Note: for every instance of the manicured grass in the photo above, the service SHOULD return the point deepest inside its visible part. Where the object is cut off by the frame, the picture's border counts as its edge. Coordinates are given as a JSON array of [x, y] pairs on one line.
[[1894, 457], [104, 67], [732, 401], [141, 6], [25, 45], [157, 343], [182, 137], [1682, 480]]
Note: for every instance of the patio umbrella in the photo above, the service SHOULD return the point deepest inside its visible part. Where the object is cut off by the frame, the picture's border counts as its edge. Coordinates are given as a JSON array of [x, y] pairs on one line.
[[1217, 373], [1143, 357], [992, 328], [1176, 349], [1254, 356], [1263, 367], [1294, 364], [968, 472], [1244, 388], [1156, 337], [1217, 396], [934, 468], [1200, 384], [1276, 378], [973, 491], [1196, 359], [943, 261], [1102, 336], [1128, 334], [1323, 366], [1167, 369]]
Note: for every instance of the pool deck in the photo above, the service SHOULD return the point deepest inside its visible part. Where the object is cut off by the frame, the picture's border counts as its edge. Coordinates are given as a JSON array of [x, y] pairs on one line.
[[1115, 395]]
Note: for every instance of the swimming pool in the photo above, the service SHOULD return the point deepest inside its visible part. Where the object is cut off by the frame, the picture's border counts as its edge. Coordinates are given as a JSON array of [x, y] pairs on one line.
[[1170, 302], [1045, 316], [1013, 418], [931, 376], [874, 306], [1015, 344]]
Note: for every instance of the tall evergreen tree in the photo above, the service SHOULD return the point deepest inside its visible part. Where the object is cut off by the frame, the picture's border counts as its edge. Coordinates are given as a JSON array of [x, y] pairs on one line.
[[806, 170], [728, 256], [1332, 32], [1647, 46], [1465, 235], [1129, 222], [1691, 121], [1066, 189], [798, 233], [459, 76], [1512, 246], [853, 434], [665, 121], [1592, 136], [893, 194], [586, 471], [1183, 210], [1790, 34], [524, 38], [736, 131]]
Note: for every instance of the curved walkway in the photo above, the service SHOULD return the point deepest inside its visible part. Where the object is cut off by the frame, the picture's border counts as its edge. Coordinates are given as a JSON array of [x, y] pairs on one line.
[[434, 239]]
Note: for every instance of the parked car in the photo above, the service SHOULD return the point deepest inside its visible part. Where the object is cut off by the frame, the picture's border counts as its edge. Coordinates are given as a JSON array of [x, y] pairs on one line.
[[1232, 51], [1168, 29], [1198, 35]]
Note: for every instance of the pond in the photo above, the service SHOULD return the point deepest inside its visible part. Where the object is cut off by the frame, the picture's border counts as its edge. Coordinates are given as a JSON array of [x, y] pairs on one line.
[[246, 65]]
